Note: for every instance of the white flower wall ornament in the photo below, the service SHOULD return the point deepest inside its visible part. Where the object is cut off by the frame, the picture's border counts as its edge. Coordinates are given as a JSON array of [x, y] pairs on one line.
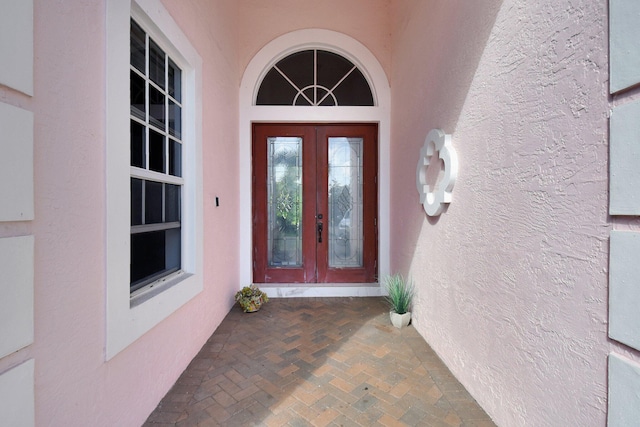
[[437, 143]]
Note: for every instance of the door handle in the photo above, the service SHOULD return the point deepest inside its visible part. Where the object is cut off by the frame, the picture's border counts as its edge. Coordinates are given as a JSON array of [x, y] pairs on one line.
[[320, 227]]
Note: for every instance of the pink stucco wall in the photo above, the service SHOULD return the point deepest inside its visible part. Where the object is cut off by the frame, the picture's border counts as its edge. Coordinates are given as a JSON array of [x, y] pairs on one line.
[[74, 385], [512, 279], [365, 20]]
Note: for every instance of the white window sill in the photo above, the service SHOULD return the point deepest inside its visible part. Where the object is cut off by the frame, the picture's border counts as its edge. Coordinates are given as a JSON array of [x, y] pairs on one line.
[[154, 288]]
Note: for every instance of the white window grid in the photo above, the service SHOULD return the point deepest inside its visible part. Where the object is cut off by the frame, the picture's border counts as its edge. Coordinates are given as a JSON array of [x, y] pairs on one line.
[[145, 173]]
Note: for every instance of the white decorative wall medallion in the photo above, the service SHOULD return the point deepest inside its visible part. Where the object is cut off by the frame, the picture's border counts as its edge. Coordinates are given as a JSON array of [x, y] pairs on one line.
[[433, 197]]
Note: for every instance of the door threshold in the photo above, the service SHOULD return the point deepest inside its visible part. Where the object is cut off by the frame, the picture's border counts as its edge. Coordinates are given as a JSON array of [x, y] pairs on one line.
[[320, 290]]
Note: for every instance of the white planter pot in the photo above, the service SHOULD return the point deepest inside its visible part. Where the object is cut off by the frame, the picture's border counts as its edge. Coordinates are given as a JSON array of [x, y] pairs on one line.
[[400, 320]]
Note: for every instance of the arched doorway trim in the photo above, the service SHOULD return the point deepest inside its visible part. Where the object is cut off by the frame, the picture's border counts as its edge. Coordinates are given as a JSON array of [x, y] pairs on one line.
[[250, 113]]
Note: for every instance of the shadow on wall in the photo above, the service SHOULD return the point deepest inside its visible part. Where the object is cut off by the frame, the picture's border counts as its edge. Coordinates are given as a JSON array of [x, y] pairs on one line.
[[437, 48]]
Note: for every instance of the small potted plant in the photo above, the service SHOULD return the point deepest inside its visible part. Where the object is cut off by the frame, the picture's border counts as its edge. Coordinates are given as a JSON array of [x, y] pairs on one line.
[[251, 298], [399, 296]]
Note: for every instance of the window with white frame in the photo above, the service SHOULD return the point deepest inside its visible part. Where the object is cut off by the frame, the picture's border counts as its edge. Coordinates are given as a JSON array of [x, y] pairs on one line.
[[156, 160], [154, 222]]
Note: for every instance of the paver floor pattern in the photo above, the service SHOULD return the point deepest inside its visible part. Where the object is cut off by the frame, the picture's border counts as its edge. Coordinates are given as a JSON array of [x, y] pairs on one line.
[[317, 362]]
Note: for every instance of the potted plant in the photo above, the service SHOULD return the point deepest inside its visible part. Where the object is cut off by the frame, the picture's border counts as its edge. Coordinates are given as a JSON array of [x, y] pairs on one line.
[[399, 296], [251, 298]]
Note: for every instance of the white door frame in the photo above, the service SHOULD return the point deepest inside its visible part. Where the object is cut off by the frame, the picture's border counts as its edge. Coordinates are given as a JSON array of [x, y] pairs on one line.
[[270, 54]]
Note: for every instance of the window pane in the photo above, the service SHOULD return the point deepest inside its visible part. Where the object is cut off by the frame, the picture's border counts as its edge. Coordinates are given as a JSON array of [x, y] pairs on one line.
[[152, 202], [137, 92], [137, 144], [354, 90], [137, 47], [172, 249], [175, 119], [156, 151], [331, 68], [308, 99], [325, 97], [154, 253], [136, 201], [172, 203], [299, 68], [156, 64], [156, 108], [147, 255], [275, 90], [175, 81], [307, 75], [329, 101], [175, 158]]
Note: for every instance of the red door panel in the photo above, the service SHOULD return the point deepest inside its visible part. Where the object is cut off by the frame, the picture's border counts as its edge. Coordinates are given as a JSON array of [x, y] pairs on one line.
[[315, 203]]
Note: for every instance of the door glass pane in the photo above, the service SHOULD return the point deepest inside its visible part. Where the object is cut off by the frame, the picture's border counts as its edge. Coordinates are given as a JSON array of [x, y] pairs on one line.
[[284, 178], [345, 202]]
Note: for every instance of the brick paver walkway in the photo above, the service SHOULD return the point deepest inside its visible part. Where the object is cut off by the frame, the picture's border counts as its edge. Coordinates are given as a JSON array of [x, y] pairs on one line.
[[317, 362]]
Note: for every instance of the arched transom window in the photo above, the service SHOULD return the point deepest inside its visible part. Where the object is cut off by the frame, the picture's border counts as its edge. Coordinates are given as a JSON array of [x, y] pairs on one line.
[[315, 78]]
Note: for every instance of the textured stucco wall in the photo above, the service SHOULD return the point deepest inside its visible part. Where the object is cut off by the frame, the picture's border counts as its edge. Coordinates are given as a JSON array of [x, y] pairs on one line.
[[512, 279], [365, 20], [74, 385]]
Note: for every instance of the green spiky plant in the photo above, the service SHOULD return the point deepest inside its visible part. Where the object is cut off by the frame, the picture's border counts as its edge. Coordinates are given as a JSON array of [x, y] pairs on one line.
[[400, 293]]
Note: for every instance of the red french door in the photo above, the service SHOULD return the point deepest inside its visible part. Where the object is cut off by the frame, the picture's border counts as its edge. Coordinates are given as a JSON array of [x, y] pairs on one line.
[[315, 203]]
